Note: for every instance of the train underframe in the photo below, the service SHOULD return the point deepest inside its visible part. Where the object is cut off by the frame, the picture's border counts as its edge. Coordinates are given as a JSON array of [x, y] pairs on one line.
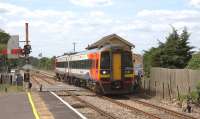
[[116, 87], [111, 87]]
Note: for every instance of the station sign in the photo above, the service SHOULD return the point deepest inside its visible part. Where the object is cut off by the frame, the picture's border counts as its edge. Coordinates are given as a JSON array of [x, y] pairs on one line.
[[13, 50]]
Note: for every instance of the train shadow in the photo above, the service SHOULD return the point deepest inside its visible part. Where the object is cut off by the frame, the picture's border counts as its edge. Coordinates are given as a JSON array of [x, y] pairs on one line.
[[144, 94], [119, 97]]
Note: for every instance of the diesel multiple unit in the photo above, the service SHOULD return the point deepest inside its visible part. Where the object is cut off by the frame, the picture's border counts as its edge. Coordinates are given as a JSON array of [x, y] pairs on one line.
[[107, 69]]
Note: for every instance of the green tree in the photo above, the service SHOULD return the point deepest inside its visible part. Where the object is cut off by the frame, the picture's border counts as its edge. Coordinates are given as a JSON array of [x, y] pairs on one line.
[[152, 58], [169, 56], [174, 53], [4, 37], [184, 49], [46, 63]]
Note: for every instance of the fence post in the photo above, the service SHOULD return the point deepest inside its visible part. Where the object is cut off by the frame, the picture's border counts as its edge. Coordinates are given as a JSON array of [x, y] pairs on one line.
[[189, 90], [163, 90], [169, 91], [144, 87], [170, 86], [149, 88], [155, 89], [178, 92]]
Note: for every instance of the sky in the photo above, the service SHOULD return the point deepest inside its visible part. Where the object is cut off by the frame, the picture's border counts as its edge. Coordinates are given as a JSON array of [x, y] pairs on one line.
[[55, 24]]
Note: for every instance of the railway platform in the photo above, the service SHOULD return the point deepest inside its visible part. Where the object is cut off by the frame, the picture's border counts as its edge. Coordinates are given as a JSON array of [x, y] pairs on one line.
[[15, 106], [35, 105], [59, 108]]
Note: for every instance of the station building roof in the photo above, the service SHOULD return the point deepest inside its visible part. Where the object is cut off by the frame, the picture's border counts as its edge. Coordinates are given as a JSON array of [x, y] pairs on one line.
[[111, 39]]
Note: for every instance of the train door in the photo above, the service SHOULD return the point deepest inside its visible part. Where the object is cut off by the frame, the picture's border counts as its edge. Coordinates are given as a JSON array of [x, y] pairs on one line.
[[116, 66]]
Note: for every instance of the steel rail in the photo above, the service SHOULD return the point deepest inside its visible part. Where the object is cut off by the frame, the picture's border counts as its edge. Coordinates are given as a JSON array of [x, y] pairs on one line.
[[110, 116], [102, 112], [175, 113], [130, 107], [171, 112], [43, 78], [32, 77], [113, 101]]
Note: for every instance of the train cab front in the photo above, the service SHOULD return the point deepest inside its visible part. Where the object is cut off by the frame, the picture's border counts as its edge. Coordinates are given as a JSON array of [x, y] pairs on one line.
[[116, 71]]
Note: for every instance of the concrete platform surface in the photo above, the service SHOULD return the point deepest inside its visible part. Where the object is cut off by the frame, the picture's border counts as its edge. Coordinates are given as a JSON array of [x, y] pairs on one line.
[[15, 106], [57, 108]]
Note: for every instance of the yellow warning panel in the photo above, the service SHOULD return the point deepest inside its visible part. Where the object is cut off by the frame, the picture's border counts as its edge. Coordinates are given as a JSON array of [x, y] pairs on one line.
[[117, 66]]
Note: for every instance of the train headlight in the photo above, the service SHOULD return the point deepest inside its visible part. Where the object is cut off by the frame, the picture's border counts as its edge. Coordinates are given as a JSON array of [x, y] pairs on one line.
[[129, 74], [104, 72]]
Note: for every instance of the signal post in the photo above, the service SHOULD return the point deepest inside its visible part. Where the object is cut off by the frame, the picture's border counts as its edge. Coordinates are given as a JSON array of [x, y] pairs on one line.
[[26, 52]]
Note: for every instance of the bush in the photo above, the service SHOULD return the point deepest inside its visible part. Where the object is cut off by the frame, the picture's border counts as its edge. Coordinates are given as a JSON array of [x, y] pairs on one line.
[[198, 91], [194, 96], [194, 63]]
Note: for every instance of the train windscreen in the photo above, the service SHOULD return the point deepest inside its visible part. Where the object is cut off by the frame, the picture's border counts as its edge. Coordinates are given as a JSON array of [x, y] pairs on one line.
[[105, 60], [127, 60]]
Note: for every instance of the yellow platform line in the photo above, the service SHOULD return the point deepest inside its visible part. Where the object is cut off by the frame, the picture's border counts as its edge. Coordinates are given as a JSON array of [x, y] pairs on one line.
[[33, 106]]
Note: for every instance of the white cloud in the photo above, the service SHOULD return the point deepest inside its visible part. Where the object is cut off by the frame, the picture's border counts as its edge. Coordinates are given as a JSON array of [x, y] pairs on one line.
[[52, 29], [150, 25], [97, 14], [169, 15], [159, 21], [92, 3], [52, 32], [195, 3], [12, 9]]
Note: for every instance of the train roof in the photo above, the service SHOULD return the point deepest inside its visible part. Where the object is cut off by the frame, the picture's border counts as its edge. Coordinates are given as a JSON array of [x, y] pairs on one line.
[[105, 41], [108, 40], [87, 51], [78, 53]]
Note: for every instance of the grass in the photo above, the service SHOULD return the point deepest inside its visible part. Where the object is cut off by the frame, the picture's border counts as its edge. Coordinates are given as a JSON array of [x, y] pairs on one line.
[[193, 96], [10, 88]]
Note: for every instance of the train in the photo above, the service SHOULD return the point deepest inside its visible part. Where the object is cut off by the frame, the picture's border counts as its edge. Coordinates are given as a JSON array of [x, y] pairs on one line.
[[106, 70]]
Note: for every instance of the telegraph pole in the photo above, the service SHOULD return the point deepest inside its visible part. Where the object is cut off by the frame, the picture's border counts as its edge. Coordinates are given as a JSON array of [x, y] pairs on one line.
[[74, 43], [26, 33]]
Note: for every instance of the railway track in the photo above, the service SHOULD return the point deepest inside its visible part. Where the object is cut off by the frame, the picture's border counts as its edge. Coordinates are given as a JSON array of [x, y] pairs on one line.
[[130, 107], [168, 113], [35, 80], [43, 77], [102, 112], [177, 114], [76, 97], [133, 109]]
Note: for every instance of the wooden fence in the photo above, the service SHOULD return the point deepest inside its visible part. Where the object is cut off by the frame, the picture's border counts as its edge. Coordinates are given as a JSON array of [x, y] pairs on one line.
[[171, 83]]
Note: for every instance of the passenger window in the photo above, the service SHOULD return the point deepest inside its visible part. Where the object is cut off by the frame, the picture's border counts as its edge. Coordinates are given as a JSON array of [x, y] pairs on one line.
[[105, 60]]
